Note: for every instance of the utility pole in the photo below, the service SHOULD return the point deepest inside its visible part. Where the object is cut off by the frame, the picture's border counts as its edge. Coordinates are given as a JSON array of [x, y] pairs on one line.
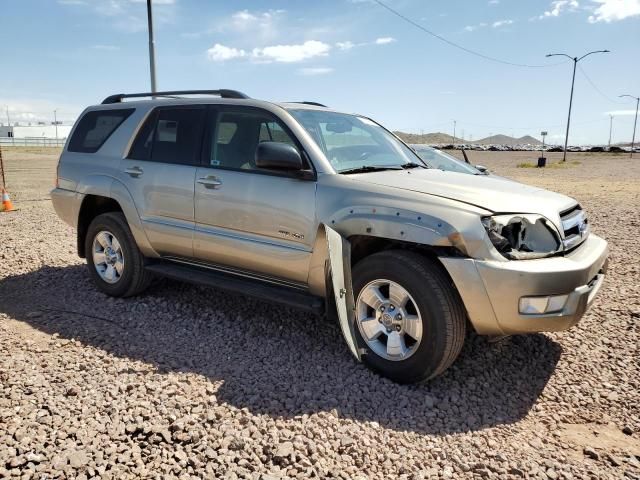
[[454, 133], [55, 122], [610, 129], [633, 139], [575, 61], [8, 117], [152, 54]]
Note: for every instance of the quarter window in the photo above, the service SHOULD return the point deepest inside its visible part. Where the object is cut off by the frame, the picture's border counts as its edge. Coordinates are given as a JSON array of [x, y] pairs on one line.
[[94, 128]]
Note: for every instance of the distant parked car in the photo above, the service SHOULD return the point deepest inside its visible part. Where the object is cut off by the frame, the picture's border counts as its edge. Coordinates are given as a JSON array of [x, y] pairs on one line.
[[443, 161]]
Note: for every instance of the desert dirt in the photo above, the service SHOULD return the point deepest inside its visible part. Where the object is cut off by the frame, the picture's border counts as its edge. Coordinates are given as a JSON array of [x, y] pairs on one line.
[[189, 382]]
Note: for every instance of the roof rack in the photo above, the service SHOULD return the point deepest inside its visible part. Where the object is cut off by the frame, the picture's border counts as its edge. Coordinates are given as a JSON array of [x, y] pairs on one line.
[[222, 93], [312, 103]]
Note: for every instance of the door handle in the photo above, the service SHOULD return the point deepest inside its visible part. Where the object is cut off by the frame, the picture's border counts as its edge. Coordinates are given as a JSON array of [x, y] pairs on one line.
[[134, 171], [210, 181]]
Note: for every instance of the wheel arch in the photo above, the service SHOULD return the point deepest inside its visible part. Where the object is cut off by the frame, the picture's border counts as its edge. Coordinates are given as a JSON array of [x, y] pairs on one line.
[[114, 199]]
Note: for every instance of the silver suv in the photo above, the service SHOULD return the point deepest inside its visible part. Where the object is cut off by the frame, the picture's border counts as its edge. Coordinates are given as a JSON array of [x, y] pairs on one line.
[[326, 211]]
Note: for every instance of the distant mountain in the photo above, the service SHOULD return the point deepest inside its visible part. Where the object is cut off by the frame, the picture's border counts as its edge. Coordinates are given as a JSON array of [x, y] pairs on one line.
[[507, 140], [445, 138], [437, 137]]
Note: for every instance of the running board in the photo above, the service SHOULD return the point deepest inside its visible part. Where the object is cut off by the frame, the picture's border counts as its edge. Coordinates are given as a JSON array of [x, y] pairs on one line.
[[242, 285]]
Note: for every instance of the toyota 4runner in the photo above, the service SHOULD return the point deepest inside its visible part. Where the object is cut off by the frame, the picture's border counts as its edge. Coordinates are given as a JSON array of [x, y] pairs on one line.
[[325, 211]]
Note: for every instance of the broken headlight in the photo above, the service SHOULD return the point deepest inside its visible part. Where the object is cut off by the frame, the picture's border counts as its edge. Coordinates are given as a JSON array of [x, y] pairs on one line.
[[523, 237]]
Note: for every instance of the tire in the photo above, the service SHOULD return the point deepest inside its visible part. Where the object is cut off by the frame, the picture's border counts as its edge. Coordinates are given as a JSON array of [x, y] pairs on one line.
[[133, 278], [432, 298]]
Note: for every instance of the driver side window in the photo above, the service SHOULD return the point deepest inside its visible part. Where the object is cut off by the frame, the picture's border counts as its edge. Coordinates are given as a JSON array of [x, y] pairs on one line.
[[237, 134]]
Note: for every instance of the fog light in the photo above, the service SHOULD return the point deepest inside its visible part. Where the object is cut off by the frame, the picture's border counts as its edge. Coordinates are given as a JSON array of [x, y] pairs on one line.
[[541, 305]]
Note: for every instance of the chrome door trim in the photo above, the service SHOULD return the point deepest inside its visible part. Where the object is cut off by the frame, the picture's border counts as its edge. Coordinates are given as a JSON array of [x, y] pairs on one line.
[[248, 237]]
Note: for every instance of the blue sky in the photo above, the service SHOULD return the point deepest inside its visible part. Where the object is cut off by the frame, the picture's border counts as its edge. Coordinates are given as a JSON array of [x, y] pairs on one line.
[[353, 55]]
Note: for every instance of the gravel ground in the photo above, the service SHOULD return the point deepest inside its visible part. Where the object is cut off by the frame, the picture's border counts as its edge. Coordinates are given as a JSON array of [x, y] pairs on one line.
[[188, 382]]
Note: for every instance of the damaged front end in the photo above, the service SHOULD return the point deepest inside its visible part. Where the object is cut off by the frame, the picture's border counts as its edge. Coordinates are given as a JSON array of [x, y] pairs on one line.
[[523, 236]]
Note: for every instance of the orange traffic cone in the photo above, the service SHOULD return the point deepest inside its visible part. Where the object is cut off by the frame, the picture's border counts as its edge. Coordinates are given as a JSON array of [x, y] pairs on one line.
[[7, 206]]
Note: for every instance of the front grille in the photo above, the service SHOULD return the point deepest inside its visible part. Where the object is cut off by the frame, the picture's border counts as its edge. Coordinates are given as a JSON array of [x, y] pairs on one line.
[[575, 226]]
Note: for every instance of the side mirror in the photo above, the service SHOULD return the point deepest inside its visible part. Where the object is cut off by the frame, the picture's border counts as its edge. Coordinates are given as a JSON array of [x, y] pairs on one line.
[[482, 168], [278, 156]]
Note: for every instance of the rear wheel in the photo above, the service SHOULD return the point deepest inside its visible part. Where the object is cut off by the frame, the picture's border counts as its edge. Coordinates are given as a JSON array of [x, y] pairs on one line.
[[113, 258], [409, 317]]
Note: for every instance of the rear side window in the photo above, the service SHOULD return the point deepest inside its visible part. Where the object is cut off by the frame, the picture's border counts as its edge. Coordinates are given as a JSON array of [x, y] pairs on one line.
[[171, 135], [95, 128]]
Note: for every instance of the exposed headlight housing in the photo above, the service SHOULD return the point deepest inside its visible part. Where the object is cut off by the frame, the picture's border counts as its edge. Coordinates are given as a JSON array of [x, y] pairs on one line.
[[523, 237]]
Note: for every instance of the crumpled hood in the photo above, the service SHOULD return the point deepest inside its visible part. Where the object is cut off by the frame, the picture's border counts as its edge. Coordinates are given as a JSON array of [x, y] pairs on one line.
[[499, 195]]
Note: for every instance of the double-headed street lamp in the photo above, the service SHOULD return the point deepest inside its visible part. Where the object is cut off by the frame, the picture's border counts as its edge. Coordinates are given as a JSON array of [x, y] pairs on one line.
[[633, 139], [573, 79]]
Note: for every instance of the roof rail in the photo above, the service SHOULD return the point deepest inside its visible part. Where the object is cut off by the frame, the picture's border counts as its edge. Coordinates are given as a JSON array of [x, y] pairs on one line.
[[223, 93], [312, 103]]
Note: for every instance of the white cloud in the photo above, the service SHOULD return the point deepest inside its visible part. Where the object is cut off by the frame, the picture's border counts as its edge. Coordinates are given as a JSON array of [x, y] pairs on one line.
[[384, 40], [311, 71], [621, 113], [220, 53], [274, 53], [244, 20], [613, 10], [348, 45], [494, 2], [291, 53], [557, 7], [501, 23]]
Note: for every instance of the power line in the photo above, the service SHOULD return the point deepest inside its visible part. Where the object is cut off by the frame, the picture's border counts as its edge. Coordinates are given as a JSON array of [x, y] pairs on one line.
[[460, 47], [593, 85]]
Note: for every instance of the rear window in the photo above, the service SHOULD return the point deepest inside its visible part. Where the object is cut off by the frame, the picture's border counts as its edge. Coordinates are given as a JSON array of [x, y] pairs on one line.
[[95, 128]]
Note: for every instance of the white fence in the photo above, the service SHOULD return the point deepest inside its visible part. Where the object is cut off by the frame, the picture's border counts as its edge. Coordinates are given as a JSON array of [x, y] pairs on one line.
[[32, 142]]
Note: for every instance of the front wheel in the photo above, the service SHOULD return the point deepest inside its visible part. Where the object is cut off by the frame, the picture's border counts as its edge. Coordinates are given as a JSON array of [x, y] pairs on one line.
[[409, 317]]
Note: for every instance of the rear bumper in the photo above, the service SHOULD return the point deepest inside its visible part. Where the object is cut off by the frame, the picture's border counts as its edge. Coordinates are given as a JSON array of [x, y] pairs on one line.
[[491, 290], [67, 203]]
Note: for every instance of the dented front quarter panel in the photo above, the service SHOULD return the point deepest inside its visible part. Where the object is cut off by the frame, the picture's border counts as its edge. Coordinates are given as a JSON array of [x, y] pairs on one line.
[[354, 208]]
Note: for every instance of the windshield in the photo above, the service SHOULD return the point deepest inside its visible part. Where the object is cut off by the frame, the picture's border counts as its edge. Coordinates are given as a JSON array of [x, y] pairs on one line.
[[440, 160], [352, 142]]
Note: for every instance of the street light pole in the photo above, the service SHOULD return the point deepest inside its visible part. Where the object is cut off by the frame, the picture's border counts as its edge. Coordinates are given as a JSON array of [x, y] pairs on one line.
[[454, 133], [152, 54], [575, 61], [633, 139]]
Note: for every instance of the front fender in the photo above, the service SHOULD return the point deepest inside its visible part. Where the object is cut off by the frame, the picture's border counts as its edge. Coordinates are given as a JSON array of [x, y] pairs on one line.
[[340, 263]]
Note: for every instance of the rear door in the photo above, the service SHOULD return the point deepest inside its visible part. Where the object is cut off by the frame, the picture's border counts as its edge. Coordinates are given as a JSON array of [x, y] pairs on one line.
[[159, 172], [249, 218]]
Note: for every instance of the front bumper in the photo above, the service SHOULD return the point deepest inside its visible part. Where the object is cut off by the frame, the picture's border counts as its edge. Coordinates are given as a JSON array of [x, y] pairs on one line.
[[491, 290]]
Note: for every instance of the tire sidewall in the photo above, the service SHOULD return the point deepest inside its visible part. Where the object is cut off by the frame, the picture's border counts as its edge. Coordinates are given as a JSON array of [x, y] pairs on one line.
[[110, 223], [431, 349]]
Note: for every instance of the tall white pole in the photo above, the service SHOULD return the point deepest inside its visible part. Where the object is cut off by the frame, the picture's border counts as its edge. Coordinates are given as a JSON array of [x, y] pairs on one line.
[[55, 122], [610, 129]]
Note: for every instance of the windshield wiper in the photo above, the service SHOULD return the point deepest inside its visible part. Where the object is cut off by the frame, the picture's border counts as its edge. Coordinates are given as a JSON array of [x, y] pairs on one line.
[[368, 168], [409, 165]]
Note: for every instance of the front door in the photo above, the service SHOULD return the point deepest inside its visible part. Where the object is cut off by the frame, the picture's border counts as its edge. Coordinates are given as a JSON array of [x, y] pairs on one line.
[[159, 172], [248, 218]]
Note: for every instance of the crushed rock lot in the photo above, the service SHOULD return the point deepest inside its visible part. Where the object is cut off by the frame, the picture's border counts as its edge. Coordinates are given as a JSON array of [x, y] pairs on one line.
[[190, 382]]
